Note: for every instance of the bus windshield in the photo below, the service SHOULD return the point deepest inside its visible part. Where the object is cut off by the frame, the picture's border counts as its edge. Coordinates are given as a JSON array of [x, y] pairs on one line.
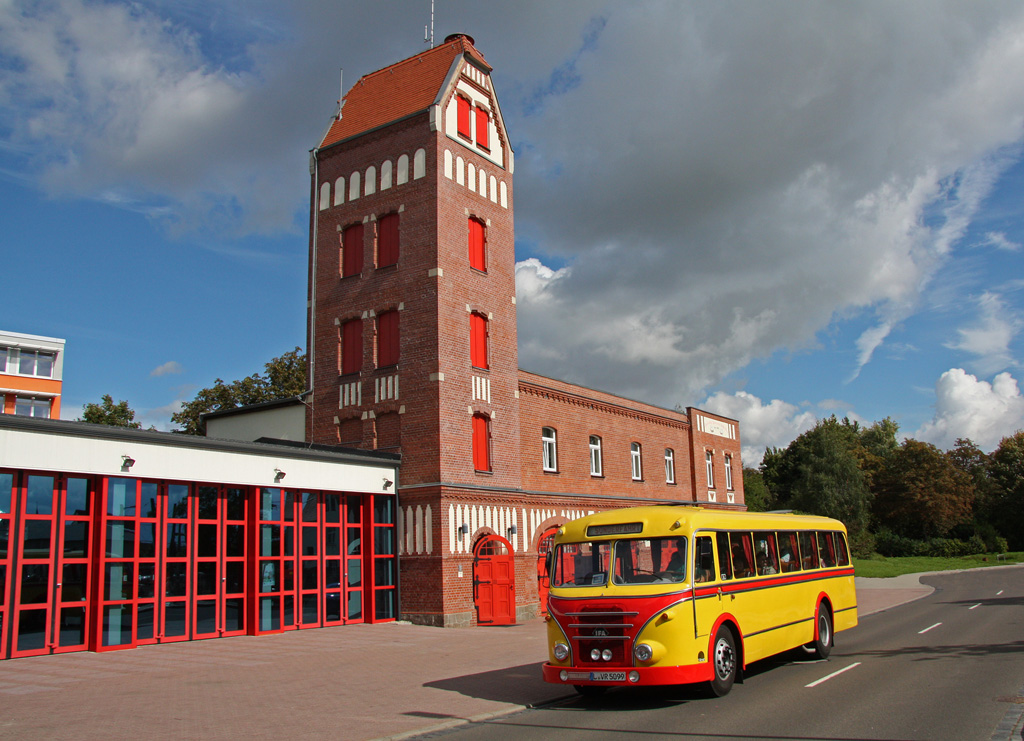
[[635, 561]]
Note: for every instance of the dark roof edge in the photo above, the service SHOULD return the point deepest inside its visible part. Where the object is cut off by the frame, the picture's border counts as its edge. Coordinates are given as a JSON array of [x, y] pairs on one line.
[[279, 448], [286, 401]]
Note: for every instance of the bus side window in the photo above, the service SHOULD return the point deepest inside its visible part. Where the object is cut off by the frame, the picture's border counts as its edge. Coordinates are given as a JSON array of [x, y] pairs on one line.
[[789, 552], [808, 550], [767, 558], [742, 555], [725, 569], [704, 570], [841, 550], [826, 549]]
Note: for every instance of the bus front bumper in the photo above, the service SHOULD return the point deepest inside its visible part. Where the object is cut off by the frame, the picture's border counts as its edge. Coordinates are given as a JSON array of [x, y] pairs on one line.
[[626, 676]]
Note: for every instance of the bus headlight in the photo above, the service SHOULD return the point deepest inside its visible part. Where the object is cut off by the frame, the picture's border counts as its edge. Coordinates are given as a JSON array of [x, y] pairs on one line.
[[595, 654], [561, 651], [634, 676], [606, 654], [643, 652]]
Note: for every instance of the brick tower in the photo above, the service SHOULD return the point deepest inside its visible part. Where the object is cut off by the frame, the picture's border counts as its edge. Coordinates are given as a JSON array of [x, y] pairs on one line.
[[412, 317]]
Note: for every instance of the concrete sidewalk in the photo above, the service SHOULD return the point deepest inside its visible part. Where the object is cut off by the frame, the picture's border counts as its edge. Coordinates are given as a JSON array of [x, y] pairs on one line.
[[357, 682]]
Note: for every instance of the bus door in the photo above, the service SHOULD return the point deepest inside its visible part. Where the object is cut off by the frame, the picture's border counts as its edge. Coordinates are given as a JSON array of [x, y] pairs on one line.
[[708, 598]]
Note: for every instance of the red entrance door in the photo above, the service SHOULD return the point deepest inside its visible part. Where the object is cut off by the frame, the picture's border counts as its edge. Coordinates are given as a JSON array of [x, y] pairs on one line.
[[494, 581], [543, 576]]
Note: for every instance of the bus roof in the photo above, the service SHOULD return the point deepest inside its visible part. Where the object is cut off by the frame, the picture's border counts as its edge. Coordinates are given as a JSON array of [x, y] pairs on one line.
[[667, 520]]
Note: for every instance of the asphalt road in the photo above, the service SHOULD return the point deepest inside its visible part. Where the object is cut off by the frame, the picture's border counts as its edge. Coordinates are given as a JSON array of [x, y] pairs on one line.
[[949, 666]]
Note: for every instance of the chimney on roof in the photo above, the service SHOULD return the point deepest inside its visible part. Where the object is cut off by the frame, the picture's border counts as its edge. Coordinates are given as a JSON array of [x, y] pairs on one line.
[[457, 36]]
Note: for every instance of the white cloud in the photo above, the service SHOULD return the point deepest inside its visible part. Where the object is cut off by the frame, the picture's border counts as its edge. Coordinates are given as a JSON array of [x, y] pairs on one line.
[[989, 339], [1000, 242], [775, 424], [966, 407], [171, 366]]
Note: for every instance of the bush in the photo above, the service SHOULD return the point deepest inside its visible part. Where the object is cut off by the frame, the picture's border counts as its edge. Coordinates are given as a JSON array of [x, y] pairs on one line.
[[862, 544], [891, 545]]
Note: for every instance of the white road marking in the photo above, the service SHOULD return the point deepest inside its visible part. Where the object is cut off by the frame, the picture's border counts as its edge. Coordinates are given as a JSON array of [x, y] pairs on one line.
[[999, 592], [928, 628], [973, 606], [833, 674]]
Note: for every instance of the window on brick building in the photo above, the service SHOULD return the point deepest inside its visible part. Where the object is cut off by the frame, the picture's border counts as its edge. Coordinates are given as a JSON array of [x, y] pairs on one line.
[[549, 445], [595, 455], [478, 340], [387, 241], [482, 129], [728, 472], [351, 346], [464, 110], [481, 442], [635, 461], [352, 250], [670, 466], [477, 245], [387, 339], [709, 462]]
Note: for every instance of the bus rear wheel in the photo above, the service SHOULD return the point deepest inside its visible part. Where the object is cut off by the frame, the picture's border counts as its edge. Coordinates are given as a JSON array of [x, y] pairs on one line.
[[723, 658], [822, 645]]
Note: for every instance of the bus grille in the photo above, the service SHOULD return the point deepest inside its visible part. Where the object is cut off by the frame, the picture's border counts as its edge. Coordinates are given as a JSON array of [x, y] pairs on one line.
[[602, 630]]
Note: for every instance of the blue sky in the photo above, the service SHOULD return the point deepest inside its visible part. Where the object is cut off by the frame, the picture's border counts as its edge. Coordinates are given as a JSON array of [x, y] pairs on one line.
[[775, 211]]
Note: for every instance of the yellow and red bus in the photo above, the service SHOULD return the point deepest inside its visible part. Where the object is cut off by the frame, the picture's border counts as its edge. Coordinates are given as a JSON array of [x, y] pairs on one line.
[[680, 594]]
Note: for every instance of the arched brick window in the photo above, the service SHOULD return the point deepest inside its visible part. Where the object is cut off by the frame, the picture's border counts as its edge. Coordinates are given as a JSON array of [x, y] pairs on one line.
[[387, 339], [481, 442], [387, 240], [352, 250], [478, 340], [477, 245]]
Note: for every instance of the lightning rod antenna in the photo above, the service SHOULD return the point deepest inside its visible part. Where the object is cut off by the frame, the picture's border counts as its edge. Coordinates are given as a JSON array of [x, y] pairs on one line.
[[428, 38], [341, 89]]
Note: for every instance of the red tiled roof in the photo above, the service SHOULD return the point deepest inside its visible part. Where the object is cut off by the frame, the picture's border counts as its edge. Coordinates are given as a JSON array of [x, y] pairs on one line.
[[397, 91]]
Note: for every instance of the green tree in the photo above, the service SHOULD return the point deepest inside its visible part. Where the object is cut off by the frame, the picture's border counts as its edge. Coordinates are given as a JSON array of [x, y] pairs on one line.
[[283, 377], [1007, 469], [109, 413], [920, 493], [755, 492], [819, 472]]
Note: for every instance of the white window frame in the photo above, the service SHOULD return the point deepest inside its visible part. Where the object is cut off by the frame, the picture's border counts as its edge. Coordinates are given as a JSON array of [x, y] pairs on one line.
[[728, 472], [709, 461], [549, 443], [39, 408], [670, 466], [636, 461], [595, 456]]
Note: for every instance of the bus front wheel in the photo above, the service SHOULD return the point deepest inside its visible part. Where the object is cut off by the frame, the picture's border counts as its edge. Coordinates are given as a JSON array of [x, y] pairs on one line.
[[723, 655]]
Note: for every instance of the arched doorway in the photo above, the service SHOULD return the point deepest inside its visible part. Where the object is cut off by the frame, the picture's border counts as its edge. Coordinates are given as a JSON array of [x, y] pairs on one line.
[[494, 589], [543, 576]]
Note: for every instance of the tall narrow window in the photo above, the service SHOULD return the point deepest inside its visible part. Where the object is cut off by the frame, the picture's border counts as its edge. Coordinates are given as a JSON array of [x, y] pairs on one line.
[[463, 117], [482, 129], [481, 442], [550, 448], [728, 472], [387, 339], [635, 461], [595, 455], [387, 241], [709, 462], [477, 245], [478, 340], [351, 346], [352, 250], [670, 466]]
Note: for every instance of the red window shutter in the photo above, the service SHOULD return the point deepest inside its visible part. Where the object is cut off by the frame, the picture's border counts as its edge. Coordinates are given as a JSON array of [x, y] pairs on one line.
[[352, 251], [387, 339], [477, 245], [351, 346], [387, 241], [478, 340], [464, 129], [482, 128], [481, 443]]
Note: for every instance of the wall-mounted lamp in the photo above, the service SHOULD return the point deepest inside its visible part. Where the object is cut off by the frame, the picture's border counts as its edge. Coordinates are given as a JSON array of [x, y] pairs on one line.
[[388, 483], [127, 462], [463, 529], [278, 475], [512, 530]]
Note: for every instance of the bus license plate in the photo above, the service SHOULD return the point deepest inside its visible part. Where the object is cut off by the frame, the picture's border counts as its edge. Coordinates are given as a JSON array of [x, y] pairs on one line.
[[607, 676]]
